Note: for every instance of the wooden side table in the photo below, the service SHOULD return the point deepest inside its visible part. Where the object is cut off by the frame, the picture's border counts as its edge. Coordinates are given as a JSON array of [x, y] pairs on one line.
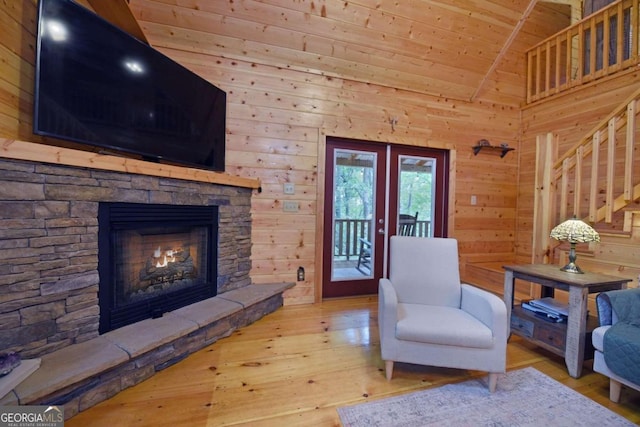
[[569, 340]]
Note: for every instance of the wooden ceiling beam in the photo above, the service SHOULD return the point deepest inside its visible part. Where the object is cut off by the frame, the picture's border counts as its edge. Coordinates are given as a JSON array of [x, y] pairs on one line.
[[119, 14], [505, 46]]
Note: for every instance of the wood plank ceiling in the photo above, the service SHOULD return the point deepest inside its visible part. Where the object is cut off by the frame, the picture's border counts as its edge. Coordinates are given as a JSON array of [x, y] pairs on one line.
[[445, 48]]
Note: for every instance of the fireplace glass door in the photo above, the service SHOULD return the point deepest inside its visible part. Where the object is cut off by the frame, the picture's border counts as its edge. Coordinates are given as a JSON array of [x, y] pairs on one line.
[[154, 259]]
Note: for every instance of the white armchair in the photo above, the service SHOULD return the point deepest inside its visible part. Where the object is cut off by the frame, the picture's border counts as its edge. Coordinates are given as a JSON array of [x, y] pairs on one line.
[[427, 317]]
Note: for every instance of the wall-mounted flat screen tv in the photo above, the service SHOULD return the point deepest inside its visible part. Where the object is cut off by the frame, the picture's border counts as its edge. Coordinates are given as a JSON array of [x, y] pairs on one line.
[[97, 85]]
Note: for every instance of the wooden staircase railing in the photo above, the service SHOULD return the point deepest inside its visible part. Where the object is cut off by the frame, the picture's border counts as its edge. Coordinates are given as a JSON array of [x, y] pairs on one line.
[[609, 146], [600, 45], [594, 179]]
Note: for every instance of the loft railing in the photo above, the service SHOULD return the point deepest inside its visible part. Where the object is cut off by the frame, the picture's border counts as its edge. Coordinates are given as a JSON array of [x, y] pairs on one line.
[[600, 45]]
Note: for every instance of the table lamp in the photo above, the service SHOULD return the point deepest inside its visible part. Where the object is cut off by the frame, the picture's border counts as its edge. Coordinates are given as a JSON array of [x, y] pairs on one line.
[[574, 231]]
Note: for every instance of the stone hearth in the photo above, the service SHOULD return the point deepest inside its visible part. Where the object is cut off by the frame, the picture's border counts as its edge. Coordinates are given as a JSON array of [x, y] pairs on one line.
[[82, 375]]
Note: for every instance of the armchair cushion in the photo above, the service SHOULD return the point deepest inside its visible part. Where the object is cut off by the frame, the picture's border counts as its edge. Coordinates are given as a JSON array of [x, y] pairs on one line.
[[441, 325]]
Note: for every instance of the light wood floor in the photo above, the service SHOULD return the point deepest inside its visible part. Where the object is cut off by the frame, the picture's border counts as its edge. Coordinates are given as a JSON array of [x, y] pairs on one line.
[[294, 367]]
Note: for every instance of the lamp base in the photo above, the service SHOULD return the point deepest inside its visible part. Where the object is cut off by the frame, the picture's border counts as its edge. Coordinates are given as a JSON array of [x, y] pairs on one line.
[[572, 268]]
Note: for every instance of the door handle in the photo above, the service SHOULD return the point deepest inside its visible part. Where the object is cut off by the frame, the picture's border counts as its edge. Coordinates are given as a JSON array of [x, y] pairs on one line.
[[380, 230]]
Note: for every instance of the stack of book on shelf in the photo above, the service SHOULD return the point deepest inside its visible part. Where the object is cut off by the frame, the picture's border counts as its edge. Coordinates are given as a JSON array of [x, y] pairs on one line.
[[548, 309]]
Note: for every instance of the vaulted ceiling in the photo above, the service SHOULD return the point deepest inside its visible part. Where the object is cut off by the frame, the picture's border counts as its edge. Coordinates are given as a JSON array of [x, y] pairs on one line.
[[448, 48]]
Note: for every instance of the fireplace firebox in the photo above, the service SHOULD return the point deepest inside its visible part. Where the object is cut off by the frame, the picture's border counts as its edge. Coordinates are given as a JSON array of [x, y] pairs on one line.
[[153, 259]]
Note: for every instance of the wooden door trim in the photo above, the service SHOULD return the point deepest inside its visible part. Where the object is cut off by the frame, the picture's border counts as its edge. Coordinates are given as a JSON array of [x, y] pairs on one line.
[[349, 287], [320, 193]]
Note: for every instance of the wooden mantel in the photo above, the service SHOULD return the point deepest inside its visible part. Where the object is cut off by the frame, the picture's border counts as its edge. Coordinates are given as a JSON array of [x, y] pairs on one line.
[[22, 150]]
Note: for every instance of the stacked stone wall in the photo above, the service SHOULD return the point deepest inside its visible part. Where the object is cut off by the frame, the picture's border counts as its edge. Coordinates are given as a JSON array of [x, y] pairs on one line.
[[49, 245]]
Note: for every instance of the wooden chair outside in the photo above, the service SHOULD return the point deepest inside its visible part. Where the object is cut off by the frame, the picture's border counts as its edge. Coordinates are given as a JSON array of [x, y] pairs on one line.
[[407, 225], [364, 259]]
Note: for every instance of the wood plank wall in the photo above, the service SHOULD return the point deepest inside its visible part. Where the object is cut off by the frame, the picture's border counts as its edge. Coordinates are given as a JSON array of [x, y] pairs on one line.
[[281, 107]]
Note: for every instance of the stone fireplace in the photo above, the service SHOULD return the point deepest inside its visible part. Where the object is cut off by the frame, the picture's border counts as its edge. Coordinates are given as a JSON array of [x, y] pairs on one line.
[[153, 259], [52, 278], [51, 271]]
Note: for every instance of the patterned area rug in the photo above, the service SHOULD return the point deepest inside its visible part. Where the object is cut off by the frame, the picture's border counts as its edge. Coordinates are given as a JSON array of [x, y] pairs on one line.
[[525, 397]]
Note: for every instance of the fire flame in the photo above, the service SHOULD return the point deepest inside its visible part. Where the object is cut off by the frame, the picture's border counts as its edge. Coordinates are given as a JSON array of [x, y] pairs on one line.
[[164, 259]]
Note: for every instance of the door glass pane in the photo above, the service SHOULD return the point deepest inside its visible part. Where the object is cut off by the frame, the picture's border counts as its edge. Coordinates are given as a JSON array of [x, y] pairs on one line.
[[353, 215], [416, 196]]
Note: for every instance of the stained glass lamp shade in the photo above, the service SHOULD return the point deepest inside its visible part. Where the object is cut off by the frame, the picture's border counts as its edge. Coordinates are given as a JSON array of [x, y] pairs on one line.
[[574, 231]]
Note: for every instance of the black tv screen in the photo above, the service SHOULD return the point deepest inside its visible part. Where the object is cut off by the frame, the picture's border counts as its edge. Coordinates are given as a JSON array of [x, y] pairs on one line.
[[97, 85]]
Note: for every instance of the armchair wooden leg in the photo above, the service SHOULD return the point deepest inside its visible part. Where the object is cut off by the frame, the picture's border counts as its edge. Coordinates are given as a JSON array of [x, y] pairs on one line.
[[388, 368], [614, 390], [493, 381]]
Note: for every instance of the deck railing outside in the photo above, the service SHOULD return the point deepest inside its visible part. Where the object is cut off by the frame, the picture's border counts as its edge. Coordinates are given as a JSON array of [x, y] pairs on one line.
[[348, 231], [601, 44]]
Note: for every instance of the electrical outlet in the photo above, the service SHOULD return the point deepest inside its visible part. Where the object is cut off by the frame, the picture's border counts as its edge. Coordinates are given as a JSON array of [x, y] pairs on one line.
[[290, 206], [289, 188], [474, 200]]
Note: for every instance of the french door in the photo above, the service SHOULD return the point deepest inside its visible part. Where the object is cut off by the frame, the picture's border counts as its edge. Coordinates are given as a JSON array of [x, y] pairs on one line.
[[370, 189]]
